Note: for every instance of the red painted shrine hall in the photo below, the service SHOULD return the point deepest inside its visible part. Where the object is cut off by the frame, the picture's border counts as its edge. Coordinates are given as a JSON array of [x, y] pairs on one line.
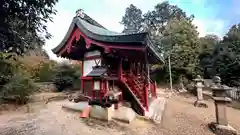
[[115, 66]]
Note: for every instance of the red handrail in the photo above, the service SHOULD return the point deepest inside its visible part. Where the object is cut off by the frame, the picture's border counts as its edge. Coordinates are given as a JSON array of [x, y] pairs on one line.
[[131, 81]]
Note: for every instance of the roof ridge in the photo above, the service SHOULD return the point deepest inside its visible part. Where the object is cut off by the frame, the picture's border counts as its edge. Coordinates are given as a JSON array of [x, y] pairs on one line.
[[84, 16]]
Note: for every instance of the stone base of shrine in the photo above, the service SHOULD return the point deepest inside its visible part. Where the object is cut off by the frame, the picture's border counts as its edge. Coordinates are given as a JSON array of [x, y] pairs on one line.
[[123, 114], [221, 129], [101, 113], [200, 103]]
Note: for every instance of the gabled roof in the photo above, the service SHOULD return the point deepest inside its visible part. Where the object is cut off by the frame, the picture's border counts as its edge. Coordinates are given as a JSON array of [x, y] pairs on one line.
[[97, 32], [97, 72]]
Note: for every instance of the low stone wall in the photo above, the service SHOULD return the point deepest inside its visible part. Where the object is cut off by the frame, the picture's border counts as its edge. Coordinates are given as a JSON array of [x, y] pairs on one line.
[[46, 86]]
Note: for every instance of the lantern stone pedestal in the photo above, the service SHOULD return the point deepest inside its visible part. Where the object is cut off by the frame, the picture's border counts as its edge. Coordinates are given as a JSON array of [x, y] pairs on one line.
[[199, 85], [221, 127]]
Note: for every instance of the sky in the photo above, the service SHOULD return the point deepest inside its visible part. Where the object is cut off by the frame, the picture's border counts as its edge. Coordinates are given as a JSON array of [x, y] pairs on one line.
[[211, 16]]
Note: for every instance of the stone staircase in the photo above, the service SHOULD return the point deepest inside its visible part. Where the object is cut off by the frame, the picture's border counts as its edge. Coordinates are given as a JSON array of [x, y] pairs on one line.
[[137, 88]]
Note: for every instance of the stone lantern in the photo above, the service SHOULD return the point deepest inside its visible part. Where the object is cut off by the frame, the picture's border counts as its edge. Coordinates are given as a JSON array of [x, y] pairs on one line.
[[199, 85], [221, 127]]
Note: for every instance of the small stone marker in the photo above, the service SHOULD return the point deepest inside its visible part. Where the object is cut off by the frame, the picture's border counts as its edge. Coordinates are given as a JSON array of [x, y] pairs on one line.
[[221, 127], [199, 85]]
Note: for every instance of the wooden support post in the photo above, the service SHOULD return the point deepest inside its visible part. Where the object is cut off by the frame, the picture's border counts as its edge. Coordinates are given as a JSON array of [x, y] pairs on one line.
[[113, 86], [155, 88], [146, 95], [120, 69], [107, 87], [82, 82], [90, 90], [130, 65], [146, 85], [102, 93], [136, 68], [121, 96], [93, 94], [142, 70]]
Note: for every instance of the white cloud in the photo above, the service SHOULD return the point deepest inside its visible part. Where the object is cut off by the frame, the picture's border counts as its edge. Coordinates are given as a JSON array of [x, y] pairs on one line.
[[58, 29], [209, 27]]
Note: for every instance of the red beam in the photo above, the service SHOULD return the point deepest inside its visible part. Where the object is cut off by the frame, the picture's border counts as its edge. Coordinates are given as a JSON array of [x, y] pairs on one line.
[[74, 35], [92, 57], [86, 78]]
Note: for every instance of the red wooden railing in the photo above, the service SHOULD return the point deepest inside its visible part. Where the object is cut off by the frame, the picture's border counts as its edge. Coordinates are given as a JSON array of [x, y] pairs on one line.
[[153, 85], [138, 87]]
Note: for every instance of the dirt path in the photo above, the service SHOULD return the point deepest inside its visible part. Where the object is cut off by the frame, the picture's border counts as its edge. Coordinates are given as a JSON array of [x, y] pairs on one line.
[[180, 118]]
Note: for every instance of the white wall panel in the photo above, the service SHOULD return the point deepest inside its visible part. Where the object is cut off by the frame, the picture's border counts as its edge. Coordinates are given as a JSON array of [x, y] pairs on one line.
[[88, 64]]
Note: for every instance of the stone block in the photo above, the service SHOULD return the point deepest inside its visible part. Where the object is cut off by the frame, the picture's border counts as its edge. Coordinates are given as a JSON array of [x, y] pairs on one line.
[[78, 107], [124, 114], [101, 113]]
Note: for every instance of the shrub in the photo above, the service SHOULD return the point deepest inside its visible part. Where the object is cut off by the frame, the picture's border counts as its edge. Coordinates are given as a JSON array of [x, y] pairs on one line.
[[6, 69], [45, 72], [18, 89], [78, 73], [65, 76]]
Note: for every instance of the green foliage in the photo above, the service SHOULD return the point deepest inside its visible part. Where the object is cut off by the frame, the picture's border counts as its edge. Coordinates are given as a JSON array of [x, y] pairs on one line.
[[226, 57], [183, 38], [172, 32], [207, 46], [78, 74], [163, 12], [22, 22], [22, 28], [132, 20], [45, 72], [65, 77], [16, 76], [18, 89], [6, 69]]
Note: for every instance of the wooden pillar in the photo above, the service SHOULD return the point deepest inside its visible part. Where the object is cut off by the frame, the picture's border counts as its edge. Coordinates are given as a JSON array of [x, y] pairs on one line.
[[146, 85], [155, 89], [93, 91], [136, 68], [107, 86], [90, 92], [146, 95], [82, 81], [131, 66], [142, 69], [102, 93], [120, 69], [113, 85]]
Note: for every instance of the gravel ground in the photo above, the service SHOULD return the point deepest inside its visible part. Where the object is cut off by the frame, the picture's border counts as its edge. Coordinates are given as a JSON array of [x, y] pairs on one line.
[[180, 118]]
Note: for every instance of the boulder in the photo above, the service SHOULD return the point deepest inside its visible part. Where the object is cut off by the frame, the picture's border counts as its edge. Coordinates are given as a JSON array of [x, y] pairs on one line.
[[77, 97]]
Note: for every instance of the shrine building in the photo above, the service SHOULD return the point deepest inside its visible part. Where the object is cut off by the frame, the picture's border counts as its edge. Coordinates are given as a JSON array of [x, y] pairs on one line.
[[115, 66]]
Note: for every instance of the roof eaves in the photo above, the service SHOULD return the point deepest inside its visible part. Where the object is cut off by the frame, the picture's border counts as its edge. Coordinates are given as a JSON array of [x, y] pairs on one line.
[[153, 49], [61, 44]]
